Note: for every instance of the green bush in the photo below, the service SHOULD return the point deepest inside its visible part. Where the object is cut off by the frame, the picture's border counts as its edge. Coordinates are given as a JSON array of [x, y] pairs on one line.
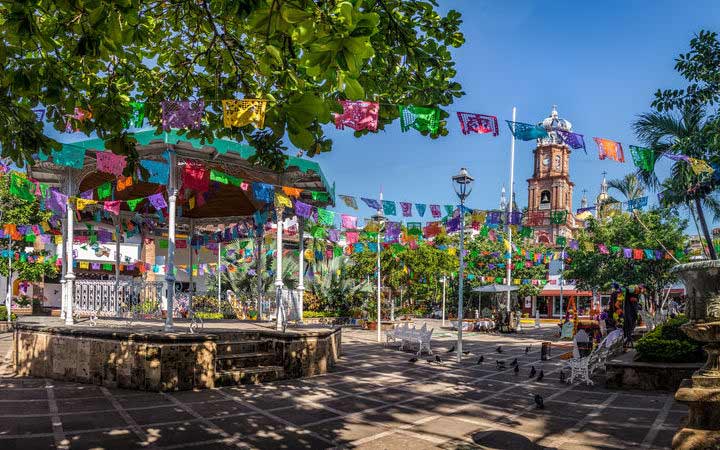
[[209, 315], [316, 314], [3, 314], [668, 343]]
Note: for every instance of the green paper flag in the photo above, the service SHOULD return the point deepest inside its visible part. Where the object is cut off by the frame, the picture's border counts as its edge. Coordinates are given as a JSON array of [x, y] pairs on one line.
[[420, 118], [484, 231], [644, 158], [560, 240], [449, 209], [320, 196], [163, 243], [325, 217], [104, 191], [132, 204], [22, 188], [526, 232], [337, 251], [107, 266]]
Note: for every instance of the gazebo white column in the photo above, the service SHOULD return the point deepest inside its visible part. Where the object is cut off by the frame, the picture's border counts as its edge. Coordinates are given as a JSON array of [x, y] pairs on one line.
[[70, 275], [170, 261], [301, 267], [63, 268], [116, 222], [191, 290], [280, 314]]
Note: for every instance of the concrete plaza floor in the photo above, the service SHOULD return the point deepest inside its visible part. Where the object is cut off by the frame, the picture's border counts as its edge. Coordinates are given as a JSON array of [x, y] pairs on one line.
[[374, 399]]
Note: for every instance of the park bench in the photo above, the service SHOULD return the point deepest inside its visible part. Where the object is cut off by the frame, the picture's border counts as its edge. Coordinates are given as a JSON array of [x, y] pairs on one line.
[[581, 369], [406, 335]]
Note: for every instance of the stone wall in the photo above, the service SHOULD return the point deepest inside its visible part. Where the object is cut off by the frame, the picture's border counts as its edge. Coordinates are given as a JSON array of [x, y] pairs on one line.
[[626, 373], [115, 360], [155, 361]]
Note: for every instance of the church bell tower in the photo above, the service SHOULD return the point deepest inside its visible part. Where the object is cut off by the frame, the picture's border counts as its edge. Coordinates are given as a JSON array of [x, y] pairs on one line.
[[550, 190]]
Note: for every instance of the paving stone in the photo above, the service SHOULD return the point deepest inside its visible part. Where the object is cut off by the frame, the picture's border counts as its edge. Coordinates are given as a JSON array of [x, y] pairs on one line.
[[39, 443], [219, 408], [343, 431], [75, 422], [352, 404], [181, 433], [25, 425], [159, 415], [397, 441], [116, 439], [84, 405], [304, 414]]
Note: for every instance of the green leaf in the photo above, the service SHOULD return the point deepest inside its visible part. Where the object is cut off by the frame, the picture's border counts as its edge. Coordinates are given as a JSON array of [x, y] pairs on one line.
[[353, 89]]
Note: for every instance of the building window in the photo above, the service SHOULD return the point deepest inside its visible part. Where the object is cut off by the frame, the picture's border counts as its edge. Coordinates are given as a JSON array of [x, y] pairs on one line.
[[541, 303]]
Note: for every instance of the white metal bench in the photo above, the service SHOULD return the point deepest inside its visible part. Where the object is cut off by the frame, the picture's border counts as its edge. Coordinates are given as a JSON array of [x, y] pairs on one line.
[[406, 335], [581, 369]]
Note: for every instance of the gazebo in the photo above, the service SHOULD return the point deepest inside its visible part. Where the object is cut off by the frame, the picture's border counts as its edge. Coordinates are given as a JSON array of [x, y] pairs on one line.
[[232, 204]]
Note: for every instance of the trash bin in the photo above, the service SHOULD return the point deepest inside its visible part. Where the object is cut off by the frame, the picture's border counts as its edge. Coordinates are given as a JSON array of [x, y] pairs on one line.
[[545, 351]]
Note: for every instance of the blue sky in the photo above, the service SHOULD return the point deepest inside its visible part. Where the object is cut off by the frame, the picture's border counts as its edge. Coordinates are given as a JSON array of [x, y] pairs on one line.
[[600, 62]]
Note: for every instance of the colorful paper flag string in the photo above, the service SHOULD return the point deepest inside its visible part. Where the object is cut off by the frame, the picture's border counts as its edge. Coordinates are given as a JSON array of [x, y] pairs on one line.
[[238, 113], [109, 162], [478, 123], [526, 131], [358, 115], [182, 114], [573, 140], [699, 166], [644, 158], [610, 149], [419, 117]]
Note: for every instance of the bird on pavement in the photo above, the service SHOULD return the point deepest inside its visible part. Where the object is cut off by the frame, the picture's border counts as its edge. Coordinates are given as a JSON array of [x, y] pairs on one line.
[[540, 376], [514, 362], [466, 352], [500, 365], [430, 360], [517, 370], [527, 350], [539, 401], [481, 359], [562, 376], [438, 359], [412, 360], [499, 349], [532, 371], [451, 349]]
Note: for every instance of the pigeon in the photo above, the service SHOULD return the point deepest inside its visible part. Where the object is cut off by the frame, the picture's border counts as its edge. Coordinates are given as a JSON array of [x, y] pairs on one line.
[[532, 371], [514, 362], [500, 365], [499, 349], [539, 401], [451, 349], [438, 359], [412, 360], [562, 376], [467, 352], [481, 359], [527, 350], [517, 370], [540, 375], [430, 360]]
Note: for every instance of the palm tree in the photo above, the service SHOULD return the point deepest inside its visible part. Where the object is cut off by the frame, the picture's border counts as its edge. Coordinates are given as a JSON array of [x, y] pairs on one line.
[[335, 288], [629, 186], [684, 134]]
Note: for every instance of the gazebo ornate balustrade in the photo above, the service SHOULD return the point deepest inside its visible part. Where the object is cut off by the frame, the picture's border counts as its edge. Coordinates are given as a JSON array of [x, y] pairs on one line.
[[110, 298]]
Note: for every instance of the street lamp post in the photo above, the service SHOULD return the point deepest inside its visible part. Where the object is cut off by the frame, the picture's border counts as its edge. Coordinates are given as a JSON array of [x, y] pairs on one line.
[[462, 182], [379, 218], [443, 281]]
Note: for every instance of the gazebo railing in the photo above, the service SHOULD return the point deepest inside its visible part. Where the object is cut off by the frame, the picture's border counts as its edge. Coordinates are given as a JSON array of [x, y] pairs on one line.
[[108, 298], [292, 305]]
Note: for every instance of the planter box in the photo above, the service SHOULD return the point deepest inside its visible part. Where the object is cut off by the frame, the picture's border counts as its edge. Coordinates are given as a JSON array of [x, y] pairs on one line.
[[384, 326], [624, 372]]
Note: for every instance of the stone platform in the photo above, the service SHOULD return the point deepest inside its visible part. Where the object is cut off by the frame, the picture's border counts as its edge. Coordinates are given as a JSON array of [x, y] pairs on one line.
[[144, 357], [623, 372]]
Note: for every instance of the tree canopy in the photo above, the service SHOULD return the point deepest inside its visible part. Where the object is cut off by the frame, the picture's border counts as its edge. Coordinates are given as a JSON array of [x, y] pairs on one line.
[[300, 55], [594, 270]]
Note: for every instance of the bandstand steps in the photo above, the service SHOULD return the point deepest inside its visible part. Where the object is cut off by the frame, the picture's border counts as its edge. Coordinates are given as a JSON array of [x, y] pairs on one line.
[[245, 346], [254, 375], [244, 360]]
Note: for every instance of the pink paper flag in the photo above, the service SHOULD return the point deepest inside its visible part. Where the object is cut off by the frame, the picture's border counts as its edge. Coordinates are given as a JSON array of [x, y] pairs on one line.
[[348, 222], [406, 209], [351, 237], [109, 162], [358, 115], [435, 210], [112, 206]]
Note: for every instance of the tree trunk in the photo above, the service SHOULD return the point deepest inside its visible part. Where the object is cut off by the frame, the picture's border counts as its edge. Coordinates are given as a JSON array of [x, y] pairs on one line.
[[697, 227], [706, 232]]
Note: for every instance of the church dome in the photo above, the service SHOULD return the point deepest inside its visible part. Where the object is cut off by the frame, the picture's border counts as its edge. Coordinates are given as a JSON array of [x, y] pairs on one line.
[[553, 123]]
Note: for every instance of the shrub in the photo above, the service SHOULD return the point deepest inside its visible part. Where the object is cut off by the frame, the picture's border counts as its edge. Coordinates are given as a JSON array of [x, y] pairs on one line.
[[209, 315], [3, 314], [668, 343], [317, 314]]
